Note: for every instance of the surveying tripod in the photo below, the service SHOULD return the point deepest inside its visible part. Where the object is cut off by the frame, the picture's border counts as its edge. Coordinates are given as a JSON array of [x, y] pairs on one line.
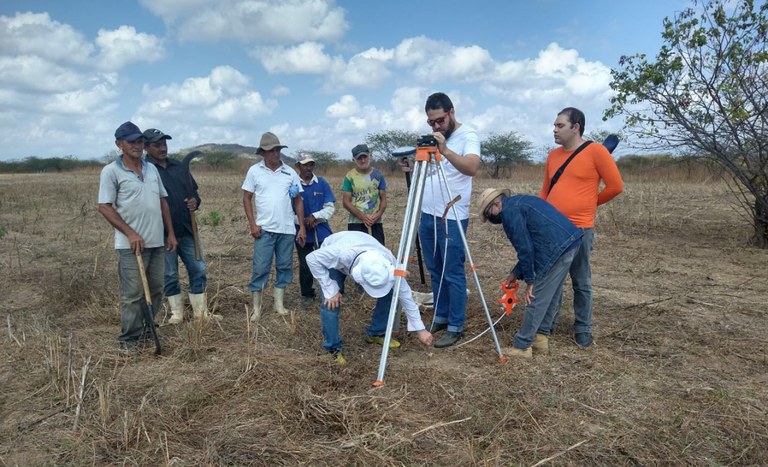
[[427, 158]]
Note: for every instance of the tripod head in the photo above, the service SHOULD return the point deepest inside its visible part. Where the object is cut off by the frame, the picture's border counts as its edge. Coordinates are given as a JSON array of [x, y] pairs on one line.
[[426, 147], [426, 141]]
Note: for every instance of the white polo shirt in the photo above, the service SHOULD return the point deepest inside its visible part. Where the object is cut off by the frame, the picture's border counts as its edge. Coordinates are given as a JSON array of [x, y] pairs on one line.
[[271, 196], [136, 200]]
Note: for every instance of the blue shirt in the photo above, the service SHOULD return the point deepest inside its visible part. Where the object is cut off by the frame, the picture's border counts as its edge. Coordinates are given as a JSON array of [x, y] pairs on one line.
[[315, 195], [539, 233]]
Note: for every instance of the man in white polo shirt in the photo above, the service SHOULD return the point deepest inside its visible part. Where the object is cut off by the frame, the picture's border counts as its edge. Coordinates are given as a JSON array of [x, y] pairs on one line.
[[273, 188]]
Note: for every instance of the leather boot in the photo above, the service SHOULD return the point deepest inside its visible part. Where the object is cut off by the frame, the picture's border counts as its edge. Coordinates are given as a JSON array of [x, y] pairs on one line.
[[199, 303], [177, 309], [278, 294], [256, 301], [541, 344], [518, 353]]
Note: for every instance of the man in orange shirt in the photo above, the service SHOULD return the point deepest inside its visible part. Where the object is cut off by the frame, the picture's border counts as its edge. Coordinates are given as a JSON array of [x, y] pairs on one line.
[[576, 193]]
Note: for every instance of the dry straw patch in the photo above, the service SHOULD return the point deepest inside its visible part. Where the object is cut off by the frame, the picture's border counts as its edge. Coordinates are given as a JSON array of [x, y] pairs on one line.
[[678, 374]]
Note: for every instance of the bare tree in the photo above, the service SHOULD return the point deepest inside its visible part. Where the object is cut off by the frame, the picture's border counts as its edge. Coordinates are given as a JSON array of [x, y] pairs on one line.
[[706, 94]]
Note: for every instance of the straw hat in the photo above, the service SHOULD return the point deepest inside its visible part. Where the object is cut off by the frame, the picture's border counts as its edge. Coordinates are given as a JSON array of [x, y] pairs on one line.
[[487, 198], [268, 142]]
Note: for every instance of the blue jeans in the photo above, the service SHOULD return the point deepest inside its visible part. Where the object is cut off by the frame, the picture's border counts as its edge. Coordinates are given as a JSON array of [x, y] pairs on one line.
[[132, 301], [539, 315], [581, 279], [281, 247], [451, 298], [195, 269], [329, 319]]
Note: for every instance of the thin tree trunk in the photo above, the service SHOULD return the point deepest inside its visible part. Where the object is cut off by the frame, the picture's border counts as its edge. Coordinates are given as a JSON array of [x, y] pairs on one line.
[[761, 223]]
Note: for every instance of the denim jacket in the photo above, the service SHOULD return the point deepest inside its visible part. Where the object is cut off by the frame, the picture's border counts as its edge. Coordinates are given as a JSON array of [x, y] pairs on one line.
[[538, 232]]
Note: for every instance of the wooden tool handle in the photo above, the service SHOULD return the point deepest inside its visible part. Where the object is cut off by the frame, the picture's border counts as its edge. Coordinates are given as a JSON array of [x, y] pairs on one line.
[[143, 275], [195, 238]]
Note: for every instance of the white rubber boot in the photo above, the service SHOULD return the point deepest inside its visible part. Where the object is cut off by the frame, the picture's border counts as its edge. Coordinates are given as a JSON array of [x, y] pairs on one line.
[[177, 309], [256, 300], [199, 304], [278, 295]]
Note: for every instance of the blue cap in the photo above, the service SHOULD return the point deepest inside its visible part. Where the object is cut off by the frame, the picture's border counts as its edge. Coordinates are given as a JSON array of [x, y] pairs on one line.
[[128, 132]]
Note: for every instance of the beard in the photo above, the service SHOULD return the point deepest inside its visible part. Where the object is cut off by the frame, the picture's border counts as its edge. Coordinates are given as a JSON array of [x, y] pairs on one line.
[[494, 218], [451, 128]]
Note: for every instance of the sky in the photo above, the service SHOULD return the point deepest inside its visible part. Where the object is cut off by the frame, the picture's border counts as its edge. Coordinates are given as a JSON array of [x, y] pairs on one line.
[[320, 74]]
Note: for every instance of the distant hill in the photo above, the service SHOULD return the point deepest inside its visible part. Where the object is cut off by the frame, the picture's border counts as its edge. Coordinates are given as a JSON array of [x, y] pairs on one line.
[[243, 152]]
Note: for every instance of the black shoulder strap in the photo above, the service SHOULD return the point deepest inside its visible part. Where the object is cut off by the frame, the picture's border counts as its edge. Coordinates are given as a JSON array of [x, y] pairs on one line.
[[559, 172]]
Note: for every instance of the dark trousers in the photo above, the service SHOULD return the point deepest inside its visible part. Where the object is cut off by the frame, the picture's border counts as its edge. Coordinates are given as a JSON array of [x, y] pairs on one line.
[[305, 275], [377, 230]]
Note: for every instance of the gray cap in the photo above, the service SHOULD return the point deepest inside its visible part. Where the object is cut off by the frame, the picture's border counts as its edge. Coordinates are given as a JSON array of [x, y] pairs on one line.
[[360, 150]]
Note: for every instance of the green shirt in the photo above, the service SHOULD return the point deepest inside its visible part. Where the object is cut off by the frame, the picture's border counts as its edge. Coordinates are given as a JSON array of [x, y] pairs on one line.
[[365, 191]]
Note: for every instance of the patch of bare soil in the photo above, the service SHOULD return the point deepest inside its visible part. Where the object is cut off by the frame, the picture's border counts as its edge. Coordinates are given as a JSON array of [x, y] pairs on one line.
[[678, 374]]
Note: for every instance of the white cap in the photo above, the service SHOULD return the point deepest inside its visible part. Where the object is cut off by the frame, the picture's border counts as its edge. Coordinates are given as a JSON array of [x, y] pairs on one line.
[[374, 272]]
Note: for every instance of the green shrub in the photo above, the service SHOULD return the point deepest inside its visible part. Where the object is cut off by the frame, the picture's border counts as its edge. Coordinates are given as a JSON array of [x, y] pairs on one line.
[[213, 218]]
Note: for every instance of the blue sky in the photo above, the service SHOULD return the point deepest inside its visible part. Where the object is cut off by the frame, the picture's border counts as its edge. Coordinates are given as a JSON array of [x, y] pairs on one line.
[[321, 74]]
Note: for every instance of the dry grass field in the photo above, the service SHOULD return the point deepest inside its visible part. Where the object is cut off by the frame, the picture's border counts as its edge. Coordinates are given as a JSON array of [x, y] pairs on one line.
[[678, 375]]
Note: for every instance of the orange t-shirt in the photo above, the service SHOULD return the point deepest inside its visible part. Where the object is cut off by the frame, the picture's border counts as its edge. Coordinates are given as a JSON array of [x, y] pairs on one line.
[[576, 193]]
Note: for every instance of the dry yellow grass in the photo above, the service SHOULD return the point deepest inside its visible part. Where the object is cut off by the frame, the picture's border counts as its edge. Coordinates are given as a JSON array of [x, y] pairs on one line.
[[678, 375]]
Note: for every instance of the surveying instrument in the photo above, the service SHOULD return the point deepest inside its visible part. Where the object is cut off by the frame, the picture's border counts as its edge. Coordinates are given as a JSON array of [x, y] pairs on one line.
[[427, 161]]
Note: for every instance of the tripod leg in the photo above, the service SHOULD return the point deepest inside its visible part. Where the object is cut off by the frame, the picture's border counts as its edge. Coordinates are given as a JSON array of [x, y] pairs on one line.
[[444, 180], [407, 235]]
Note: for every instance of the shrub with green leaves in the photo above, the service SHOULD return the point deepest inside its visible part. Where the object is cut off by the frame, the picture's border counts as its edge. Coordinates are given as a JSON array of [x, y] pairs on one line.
[[213, 218]]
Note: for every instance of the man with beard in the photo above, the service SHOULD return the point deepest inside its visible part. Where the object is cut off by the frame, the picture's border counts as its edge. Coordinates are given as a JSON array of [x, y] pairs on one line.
[[545, 242], [577, 194], [444, 254]]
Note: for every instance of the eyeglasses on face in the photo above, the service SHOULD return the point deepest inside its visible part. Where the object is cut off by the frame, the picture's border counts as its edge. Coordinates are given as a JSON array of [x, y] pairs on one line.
[[437, 121]]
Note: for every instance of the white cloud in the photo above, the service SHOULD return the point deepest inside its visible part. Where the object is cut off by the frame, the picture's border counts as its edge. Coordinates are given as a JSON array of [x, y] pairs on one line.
[[221, 98], [271, 21], [124, 46], [31, 74], [416, 51], [347, 106], [367, 69], [363, 71], [307, 57], [35, 34], [279, 91]]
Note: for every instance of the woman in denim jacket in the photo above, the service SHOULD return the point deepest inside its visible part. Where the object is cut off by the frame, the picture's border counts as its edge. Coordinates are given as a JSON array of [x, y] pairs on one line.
[[546, 242]]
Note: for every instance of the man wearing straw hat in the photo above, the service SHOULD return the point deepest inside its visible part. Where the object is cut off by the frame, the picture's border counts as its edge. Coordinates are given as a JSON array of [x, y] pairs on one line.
[[371, 265], [273, 188], [545, 242]]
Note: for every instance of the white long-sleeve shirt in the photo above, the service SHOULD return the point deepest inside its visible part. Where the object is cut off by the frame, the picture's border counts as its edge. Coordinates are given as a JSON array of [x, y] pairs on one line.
[[339, 252]]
